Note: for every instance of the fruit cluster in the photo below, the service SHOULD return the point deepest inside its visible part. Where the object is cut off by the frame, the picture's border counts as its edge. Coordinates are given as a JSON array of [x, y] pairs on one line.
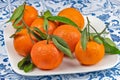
[[44, 40]]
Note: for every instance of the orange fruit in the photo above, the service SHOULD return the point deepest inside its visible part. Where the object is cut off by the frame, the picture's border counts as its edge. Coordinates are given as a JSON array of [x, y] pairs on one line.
[[39, 23], [93, 54], [68, 33], [22, 43], [46, 56], [74, 15], [30, 14]]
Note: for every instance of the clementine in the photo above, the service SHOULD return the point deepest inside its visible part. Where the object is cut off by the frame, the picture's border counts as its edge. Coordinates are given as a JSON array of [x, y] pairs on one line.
[[46, 56], [22, 43], [68, 33], [93, 54], [74, 15], [30, 14]]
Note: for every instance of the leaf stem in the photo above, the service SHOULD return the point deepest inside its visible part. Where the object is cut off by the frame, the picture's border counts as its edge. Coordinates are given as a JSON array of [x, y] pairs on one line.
[[88, 29], [46, 26], [94, 29], [28, 29], [100, 32]]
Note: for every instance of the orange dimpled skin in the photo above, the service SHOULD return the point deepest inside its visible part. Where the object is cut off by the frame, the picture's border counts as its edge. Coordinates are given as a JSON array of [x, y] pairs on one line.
[[22, 43], [74, 15], [39, 23], [46, 56], [93, 54], [68, 33], [30, 14]]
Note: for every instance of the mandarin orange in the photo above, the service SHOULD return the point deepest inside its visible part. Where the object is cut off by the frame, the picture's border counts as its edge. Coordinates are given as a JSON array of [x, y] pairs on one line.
[[68, 33], [30, 14], [46, 56], [23, 43], [93, 54], [74, 15]]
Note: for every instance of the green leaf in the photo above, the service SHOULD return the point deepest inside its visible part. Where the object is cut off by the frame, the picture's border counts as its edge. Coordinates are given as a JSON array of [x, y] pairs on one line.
[[23, 62], [84, 39], [47, 14], [65, 50], [61, 41], [110, 42], [98, 40], [18, 27], [45, 25], [17, 13], [28, 67], [36, 36], [63, 20], [17, 22], [42, 35], [110, 49]]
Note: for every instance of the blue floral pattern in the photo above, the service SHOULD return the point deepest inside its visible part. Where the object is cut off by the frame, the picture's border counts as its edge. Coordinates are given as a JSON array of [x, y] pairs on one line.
[[4, 10], [106, 10]]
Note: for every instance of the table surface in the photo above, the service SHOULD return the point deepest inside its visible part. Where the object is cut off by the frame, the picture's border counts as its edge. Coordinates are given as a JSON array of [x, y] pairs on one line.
[[106, 10]]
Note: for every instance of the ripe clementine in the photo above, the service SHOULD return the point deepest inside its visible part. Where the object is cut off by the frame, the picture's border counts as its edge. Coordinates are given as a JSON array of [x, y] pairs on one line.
[[39, 23], [23, 43], [46, 56], [74, 15], [30, 14], [93, 54], [68, 33]]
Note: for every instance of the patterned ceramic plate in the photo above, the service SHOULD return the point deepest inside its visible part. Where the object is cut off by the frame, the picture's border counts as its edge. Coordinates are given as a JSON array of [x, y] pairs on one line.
[[68, 66]]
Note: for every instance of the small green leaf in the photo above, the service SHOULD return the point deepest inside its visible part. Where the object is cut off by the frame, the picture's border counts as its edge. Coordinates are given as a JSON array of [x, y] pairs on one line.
[[98, 40], [63, 20], [36, 36], [23, 62], [17, 13], [42, 35], [47, 14], [110, 49], [84, 39], [28, 67], [45, 25], [18, 26], [17, 22], [92, 34], [19, 29], [65, 50], [61, 41], [110, 42]]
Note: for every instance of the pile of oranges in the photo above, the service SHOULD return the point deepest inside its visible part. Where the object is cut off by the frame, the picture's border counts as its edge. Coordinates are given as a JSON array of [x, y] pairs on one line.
[[44, 54]]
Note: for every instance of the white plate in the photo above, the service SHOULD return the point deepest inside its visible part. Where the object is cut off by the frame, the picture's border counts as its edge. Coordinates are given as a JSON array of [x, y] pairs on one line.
[[68, 66]]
